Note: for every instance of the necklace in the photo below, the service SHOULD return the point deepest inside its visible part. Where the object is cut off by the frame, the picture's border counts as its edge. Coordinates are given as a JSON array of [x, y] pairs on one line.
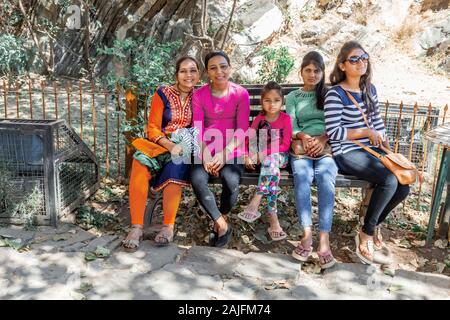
[[178, 88]]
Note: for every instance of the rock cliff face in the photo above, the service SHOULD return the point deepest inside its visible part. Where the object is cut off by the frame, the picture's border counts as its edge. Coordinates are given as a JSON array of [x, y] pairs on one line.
[[300, 25]]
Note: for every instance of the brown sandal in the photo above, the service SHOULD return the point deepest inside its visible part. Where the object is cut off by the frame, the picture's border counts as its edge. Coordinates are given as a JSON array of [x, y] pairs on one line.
[[132, 245], [163, 238]]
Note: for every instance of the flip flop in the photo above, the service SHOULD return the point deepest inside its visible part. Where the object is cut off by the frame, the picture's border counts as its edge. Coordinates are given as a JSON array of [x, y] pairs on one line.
[[327, 256], [244, 215], [277, 235], [301, 253], [361, 257]]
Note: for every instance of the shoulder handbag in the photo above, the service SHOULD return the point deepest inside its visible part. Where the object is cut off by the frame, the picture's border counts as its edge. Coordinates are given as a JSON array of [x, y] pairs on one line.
[[297, 149], [405, 171]]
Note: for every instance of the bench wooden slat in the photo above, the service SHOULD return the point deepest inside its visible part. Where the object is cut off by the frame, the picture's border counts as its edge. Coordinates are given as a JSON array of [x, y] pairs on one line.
[[287, 179]]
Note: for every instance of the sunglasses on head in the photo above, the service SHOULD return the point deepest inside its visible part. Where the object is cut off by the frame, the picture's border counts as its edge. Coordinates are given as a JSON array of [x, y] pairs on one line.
[[355, 59]]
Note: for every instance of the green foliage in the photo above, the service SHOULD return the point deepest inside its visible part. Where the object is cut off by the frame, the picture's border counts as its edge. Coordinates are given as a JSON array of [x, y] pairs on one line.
[[13, 55], [146, 64], [276, 65], [87, 218]]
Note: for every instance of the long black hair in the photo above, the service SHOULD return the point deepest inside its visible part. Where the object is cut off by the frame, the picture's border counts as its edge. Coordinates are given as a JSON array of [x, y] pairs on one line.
[[313, 57], [365, 84]]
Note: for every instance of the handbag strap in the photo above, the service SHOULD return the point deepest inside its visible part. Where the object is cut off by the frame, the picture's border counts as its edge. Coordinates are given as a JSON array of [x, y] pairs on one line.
[[370, 150]]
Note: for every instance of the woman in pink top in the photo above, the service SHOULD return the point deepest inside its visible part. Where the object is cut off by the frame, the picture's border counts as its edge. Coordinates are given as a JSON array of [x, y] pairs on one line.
[[269, 143], [221, 111]]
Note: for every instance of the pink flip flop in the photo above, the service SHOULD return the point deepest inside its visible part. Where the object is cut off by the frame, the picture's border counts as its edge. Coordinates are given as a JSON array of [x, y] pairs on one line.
[[277, 235], [301, 253]]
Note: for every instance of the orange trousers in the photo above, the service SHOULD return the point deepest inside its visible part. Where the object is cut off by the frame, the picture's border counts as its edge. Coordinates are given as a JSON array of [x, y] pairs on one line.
[[138, 193]]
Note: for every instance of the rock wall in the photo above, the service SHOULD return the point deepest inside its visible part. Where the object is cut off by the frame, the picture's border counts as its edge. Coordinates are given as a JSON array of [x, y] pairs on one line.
[[300, 25]]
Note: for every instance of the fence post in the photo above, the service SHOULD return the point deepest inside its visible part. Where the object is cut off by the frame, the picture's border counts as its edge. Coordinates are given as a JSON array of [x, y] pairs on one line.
[[5, 99], [31, 98], [17, 99], [398, 127], [55, 90], [119, 109], [130, 113], [43, 98]]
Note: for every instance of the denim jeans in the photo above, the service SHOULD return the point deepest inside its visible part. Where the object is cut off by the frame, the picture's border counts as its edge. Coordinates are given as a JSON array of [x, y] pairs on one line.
[[387, 194], [324, 172], [230, 175]]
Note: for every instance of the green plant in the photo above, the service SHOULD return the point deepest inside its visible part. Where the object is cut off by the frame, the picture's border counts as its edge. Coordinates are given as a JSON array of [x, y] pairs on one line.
[[276, 65], [13, 55], [146, 64]]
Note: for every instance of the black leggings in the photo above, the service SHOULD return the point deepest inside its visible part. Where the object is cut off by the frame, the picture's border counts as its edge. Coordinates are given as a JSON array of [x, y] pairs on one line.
[[387, 194], [230, 175]]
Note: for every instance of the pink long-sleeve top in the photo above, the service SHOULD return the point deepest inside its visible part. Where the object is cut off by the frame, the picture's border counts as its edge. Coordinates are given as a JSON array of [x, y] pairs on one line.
[[280, 134], [220, 120]]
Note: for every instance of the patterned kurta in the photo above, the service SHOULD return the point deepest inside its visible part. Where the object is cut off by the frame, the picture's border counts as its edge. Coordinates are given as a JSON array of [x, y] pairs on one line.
[[167, 114]]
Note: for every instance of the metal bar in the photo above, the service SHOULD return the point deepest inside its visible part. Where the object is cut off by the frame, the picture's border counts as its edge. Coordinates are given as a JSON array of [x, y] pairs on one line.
[[146, 109], [437, 159], [5, 99], [17, 100], [398, 127], [94, 120], [68, 103], [43, 99], [55, 90], [439, 190], [412, 132], [106, 133], [427, 127], [31, 98], [81, 109], [119, 173]]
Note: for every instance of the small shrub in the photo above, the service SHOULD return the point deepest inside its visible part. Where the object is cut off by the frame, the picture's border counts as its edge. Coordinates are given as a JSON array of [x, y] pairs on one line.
[[276, 65], [13, 55]]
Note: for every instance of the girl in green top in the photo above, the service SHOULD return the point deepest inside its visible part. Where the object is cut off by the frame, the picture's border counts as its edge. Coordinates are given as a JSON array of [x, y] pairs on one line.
[[305, 106]]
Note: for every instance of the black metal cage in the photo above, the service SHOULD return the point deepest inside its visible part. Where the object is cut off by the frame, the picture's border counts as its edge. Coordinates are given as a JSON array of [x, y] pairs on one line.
[[46, 171]]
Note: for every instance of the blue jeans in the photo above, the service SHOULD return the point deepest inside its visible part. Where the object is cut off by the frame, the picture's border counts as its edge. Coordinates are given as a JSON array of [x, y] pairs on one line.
[[324, 172]]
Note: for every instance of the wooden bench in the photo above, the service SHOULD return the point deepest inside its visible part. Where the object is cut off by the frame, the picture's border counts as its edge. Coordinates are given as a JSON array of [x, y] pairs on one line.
[[251, 177]]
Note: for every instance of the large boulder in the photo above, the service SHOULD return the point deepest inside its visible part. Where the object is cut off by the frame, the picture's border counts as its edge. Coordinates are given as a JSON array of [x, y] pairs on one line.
[[436, 33], [257, 21]]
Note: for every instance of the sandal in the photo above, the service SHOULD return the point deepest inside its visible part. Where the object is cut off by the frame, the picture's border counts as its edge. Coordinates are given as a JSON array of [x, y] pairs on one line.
[[277, 235], [326, 259], [366, 259], [379, 237], [132, 245], [163, 238], [301, 253], [249, 216]]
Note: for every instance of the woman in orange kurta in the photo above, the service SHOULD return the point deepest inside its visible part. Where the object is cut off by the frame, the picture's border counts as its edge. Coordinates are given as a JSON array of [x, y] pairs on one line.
[[171, 109]]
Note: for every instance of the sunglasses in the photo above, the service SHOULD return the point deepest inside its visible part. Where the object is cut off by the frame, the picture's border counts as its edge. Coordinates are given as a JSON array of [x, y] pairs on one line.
[[355, 59]]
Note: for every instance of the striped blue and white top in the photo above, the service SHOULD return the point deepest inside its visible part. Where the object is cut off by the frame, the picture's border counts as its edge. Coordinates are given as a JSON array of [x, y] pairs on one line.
[[341, 114]]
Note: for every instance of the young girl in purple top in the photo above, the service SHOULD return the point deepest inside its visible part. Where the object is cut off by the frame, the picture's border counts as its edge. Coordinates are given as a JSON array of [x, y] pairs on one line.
[[269, 142], [221, 111]]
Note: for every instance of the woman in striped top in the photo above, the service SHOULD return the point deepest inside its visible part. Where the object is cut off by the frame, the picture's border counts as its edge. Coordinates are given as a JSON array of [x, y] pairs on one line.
[[344, 122]]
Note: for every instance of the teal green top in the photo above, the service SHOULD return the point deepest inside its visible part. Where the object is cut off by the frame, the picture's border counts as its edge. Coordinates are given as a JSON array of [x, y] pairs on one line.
[[301, 106]]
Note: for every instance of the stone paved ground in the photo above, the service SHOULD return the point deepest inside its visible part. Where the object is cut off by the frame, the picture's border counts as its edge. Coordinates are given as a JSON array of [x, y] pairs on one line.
[[53, 265]]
